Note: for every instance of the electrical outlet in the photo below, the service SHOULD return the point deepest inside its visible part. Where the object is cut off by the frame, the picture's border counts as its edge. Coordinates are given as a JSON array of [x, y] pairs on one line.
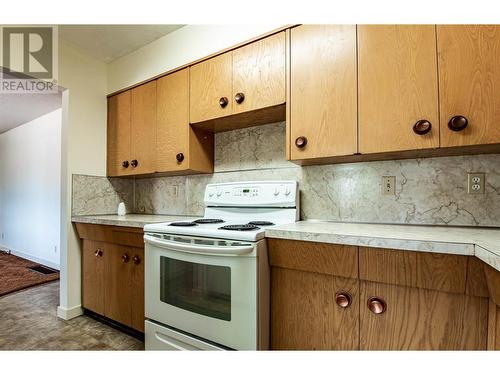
[[475, 183], [388, 185]]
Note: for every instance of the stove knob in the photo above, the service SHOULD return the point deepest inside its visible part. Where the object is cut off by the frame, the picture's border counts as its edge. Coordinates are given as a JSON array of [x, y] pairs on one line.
[[219, 193], [211, 193], [287, 190], [276, 191]]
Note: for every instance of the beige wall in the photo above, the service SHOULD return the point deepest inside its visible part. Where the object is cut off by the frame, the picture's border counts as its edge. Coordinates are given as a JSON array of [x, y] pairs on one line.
[[83, 151], [181, 47]]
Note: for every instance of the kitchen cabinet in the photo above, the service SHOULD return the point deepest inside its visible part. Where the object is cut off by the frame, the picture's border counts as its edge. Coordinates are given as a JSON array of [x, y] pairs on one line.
[[305, 314], [132, 131], [404, 318], [179, 146], [244, 80], [328, 296], [118, 138], [493, 283], [259, 74], [323, 92], [94, 254], [398, 88], [314, 300], [113, 273], [123, 295], [118, 286], [211, 88], [143, 129], [469, 57]]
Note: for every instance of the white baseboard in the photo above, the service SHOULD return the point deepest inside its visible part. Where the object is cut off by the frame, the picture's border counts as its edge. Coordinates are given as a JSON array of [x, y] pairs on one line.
[[21, 254], [70, 313]]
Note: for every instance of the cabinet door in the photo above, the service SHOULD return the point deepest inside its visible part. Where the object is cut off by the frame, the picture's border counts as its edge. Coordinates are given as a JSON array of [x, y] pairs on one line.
[[305, 316], [259, 74], [420, 319], [119, 134], [469, 81], [323, 98], [143, 128], [210, 81], [398, 87], [173, 121], [93, 259], [137, 276], [118, 286]]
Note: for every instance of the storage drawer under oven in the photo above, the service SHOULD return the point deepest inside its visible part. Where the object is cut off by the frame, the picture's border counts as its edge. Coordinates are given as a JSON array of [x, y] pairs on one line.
[[159, 337]]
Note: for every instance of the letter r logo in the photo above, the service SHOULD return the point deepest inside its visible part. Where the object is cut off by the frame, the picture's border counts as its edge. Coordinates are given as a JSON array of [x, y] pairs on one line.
[[27, 51]]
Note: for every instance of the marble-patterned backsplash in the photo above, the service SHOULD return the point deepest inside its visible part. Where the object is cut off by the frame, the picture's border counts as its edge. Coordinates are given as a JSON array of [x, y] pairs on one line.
[[428, 191], [93, 195]]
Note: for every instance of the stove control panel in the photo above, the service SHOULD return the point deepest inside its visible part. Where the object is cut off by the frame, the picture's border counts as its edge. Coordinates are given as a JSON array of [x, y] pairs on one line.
[[252, 194]]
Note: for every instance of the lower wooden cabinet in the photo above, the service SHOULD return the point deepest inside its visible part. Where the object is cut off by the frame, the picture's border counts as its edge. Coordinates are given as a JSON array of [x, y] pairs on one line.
[[421, 319], [333, 297], [305, 315], [93, 271], [113, 273], [124, 286]]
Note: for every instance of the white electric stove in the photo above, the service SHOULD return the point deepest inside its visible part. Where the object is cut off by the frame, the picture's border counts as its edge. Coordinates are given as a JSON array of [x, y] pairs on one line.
[[207, 280]]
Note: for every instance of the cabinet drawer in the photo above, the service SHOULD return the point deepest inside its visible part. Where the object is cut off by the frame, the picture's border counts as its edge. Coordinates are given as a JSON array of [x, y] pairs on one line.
[[337, 260], [108, 233], [444, 272]]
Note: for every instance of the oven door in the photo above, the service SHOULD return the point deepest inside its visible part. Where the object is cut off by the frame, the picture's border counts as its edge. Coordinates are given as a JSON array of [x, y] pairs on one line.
[[202, 288]]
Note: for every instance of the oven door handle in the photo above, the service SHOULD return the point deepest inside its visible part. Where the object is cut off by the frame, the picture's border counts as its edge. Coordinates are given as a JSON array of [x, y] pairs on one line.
[[198, 249]]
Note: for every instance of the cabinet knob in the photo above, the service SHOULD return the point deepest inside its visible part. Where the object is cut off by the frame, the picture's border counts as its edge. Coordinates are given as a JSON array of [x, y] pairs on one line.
[[125, 164], [301, 142], [239, 97], [223, 102], [134, 163], [377, 305], [179, 157], [98, 253], [125, 258], [422, 127], [458, 123], [343, 299], [137, 259]]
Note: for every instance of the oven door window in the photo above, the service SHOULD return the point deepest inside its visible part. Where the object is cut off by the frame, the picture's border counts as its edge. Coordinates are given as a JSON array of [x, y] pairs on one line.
[[200, 288]]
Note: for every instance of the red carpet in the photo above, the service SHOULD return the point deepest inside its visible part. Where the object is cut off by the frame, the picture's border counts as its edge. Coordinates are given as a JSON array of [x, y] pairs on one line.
[[15, 274]]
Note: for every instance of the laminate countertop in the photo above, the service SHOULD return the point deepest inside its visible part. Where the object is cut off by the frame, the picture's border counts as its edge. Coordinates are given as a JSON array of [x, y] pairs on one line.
[[130, 220], [480, 242]]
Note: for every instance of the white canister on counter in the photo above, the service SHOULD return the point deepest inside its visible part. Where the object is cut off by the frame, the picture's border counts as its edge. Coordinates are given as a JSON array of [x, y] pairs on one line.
[[121, 209]]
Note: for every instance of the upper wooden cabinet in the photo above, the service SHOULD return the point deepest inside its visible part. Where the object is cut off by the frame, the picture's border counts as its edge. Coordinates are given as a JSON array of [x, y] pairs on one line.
[[469, 80], [179, 146], [259, 74], [249, 78], [323, 97], [119, 135], [211, 88], [143, 129], [132, 131], [398, 88]]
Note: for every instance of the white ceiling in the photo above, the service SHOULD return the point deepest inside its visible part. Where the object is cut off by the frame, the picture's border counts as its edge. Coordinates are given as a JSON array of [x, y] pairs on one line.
[[108, 42], [18, 109]]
